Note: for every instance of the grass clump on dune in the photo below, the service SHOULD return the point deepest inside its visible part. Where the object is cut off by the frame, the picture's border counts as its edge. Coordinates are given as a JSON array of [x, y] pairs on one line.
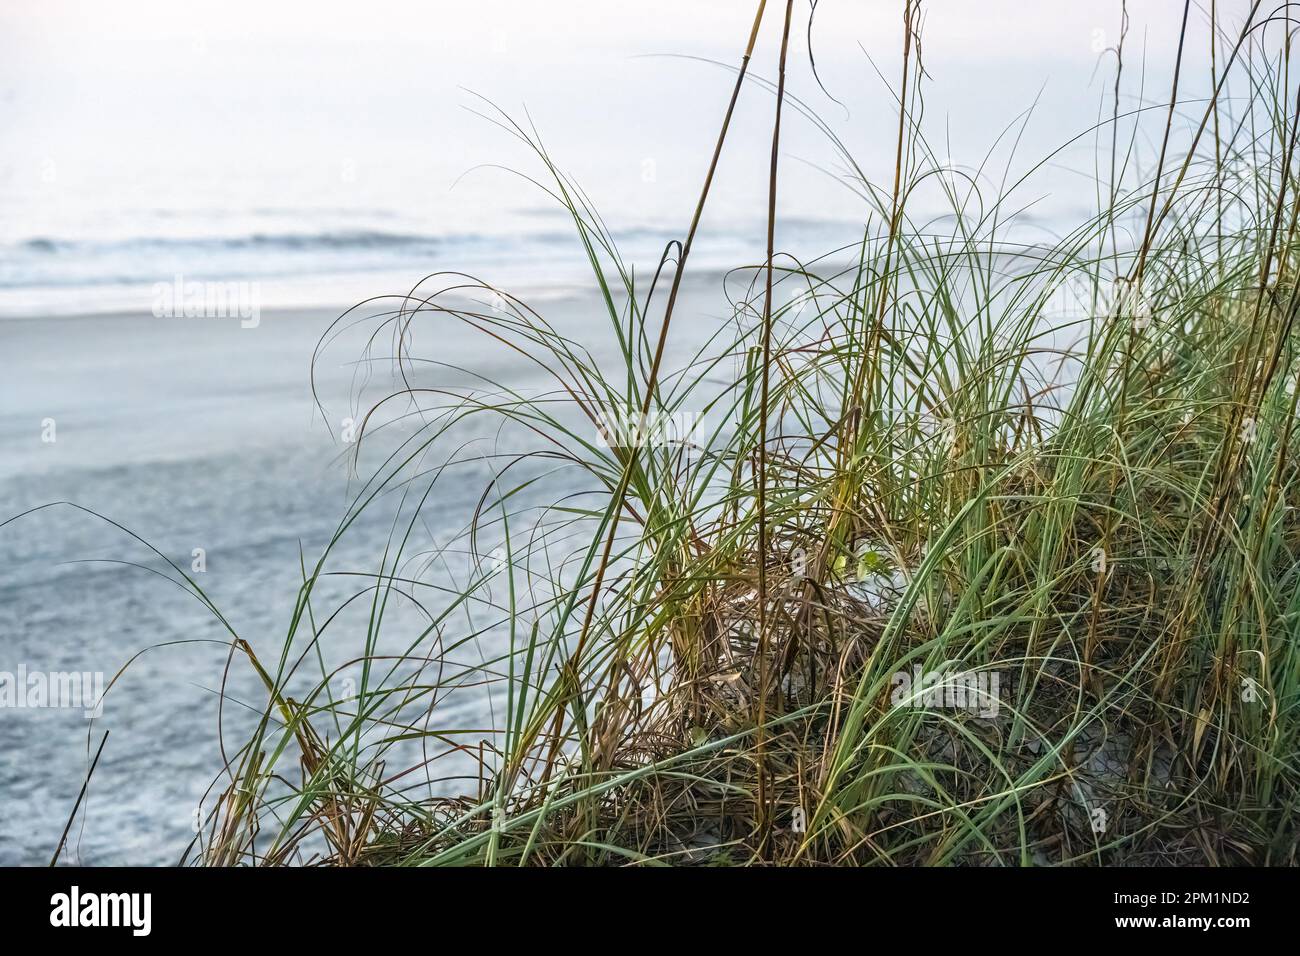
[[987, 554]]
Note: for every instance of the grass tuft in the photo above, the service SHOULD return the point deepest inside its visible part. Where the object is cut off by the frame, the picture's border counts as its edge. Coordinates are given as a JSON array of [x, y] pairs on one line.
[[987, 554]]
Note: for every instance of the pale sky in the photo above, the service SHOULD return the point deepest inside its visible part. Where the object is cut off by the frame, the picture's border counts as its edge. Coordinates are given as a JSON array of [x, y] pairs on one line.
[[344, 104]]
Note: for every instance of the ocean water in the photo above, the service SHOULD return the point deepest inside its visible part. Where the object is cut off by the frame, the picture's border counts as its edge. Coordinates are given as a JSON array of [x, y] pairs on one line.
[[292, 259]]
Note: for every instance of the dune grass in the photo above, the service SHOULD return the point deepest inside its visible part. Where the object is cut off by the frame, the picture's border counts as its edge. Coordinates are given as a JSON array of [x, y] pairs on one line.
[[986, 554]]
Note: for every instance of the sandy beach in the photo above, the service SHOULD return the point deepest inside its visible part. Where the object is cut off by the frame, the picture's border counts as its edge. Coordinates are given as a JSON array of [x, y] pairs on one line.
[[199, 434]]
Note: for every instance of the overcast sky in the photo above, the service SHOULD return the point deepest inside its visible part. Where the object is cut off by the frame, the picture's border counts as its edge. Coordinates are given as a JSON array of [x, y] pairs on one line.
[[365, 105]]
